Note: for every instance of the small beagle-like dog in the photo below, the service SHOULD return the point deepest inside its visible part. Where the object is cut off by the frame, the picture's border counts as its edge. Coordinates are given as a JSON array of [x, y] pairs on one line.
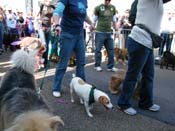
[[88, 94]]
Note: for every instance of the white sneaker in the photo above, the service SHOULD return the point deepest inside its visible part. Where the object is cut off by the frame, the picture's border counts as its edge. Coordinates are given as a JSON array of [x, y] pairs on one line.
[[56, 94], [98, 68], [113, 69], [130, 111], [154, 107]]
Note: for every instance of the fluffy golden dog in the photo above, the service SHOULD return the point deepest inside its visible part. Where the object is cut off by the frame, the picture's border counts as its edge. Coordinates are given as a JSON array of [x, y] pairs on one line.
[[119, 54], [116, 80], [72, 60]]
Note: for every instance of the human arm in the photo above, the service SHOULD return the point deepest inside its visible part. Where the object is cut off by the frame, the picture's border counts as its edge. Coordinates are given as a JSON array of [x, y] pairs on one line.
[[57, 14], [114, 21], [87, 20]]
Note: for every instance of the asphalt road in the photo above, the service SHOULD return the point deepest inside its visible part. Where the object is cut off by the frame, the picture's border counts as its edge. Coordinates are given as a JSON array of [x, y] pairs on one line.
[[74, 114]]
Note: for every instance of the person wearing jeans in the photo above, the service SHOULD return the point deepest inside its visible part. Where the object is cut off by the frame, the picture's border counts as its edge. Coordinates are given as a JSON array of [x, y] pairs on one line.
[[104, 15], [45, 14], [141, 60], [141, 57], [167, 39], [104, 38], [2, 22], [1, 36], [70, 30]]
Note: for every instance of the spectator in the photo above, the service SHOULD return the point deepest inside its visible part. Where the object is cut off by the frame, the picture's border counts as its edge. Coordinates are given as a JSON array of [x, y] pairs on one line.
[[104, 14], [20, 21], [2, 19], [73, 14], [45, 13], [167, 30], [125, 26], [11, 23], [141, 57]]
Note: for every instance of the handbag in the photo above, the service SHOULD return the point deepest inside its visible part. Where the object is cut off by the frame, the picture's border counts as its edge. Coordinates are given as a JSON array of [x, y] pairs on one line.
[[156, 39]]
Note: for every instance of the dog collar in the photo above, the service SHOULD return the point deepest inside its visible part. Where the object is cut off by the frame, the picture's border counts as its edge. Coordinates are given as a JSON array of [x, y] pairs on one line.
[[91, 95]]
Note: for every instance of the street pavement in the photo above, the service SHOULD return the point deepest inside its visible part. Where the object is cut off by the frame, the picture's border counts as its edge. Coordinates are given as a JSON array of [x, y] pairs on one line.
[[75, 117]]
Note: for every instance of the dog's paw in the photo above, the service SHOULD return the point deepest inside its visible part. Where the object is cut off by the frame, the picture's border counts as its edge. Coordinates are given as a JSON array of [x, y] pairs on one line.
[[90, 115], [72, 101], [81, 101]]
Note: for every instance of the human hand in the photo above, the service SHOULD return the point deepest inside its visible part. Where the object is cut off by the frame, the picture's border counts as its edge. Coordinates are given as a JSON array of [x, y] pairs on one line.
[[92, 27], [57, 29], [116, 34]]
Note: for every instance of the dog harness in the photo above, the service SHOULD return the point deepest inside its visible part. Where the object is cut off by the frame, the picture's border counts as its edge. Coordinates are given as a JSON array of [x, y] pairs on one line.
[[91, 95]]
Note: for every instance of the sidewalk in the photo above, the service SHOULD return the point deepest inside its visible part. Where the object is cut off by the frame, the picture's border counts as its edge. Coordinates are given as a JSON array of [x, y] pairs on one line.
[[74, 114]]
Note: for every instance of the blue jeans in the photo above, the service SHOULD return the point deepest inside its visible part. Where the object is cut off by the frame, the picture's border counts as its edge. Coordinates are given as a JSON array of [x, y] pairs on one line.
[[167, 41], [141, 61], [106, 40], [70, 43], [1, 34], [47, 35]]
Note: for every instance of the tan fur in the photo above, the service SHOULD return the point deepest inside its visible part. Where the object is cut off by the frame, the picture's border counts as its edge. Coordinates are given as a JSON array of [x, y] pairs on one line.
[[72, 60], [103, 100], [81, 82], [119, 54], [104, 54], [84, 93], [116, 80], [33, 45], [38, 120]]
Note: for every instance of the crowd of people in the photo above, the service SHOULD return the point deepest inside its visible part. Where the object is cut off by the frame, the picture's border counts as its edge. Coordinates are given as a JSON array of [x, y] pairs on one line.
[[67, 21]]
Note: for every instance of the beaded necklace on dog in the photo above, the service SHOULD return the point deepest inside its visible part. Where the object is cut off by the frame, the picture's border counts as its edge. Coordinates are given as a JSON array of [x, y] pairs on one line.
[[91, 95]]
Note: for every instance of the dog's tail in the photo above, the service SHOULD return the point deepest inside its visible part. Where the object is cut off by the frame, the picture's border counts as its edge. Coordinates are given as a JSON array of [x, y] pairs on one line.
[[23, 60], [73, 75]]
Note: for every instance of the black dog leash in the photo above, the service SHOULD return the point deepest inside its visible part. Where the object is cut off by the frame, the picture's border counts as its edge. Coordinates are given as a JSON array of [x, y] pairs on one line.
[[42, 82]]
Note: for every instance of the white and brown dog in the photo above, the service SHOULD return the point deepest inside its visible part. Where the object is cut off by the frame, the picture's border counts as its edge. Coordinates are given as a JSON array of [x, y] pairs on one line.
[[88, 94]]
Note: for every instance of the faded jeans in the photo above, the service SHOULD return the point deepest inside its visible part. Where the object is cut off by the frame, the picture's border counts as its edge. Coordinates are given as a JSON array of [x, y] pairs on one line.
[[1, 34], [168, 37], [69, 43], [103, 38]]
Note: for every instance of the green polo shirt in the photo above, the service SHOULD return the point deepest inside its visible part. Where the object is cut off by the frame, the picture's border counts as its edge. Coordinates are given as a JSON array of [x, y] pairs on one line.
[[105, 15]]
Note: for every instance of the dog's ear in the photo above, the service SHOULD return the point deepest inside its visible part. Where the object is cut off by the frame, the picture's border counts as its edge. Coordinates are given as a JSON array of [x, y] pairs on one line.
[[103, 100], [55, 121]]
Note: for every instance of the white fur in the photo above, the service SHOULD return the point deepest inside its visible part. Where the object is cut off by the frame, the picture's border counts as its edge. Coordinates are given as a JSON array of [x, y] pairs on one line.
[[25, 61], [83, 90]]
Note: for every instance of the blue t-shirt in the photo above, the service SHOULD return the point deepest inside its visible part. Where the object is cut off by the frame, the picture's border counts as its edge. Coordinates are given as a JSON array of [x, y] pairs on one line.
[[73, 15]]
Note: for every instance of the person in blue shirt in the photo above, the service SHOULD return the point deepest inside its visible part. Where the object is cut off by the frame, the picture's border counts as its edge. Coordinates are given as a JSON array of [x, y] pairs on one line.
[[69, 17]]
